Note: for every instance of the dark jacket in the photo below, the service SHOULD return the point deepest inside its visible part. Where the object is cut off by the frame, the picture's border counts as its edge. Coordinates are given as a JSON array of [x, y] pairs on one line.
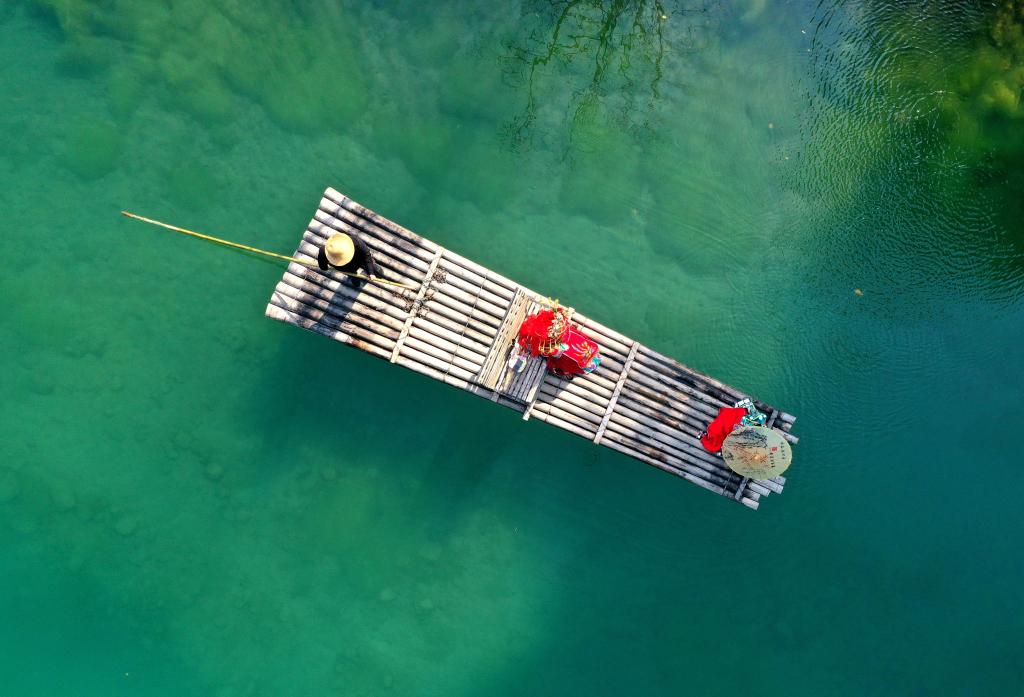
[[362, 261]]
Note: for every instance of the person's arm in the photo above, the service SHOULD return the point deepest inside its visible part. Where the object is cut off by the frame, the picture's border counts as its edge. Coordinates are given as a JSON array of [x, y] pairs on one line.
[[321, 260], [373, 267], [369, 265]]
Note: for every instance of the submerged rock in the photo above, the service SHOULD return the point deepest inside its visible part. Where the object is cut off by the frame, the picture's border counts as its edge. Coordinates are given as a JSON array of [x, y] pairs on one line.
[[25, 524], [42, 383], [10, 486], [194, 185], [126, 526], [431, 551], [63, 496], [92, 150]]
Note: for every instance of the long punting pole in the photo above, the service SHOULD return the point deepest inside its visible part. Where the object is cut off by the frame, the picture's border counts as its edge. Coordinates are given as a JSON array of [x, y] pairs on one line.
[[254, 250]]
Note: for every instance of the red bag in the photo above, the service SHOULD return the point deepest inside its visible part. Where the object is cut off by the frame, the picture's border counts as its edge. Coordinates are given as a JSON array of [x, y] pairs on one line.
[[581, 355]]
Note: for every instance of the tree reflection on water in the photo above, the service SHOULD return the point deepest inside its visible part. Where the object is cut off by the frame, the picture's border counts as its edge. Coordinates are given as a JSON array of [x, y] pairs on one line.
[[612, 54], [937, 91]]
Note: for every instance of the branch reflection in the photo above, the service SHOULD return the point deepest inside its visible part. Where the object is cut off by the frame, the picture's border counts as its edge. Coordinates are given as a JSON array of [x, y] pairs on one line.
[[583, 57]]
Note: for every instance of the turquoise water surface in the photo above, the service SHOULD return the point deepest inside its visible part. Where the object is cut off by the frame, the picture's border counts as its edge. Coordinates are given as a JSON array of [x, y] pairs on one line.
[[195, 500]]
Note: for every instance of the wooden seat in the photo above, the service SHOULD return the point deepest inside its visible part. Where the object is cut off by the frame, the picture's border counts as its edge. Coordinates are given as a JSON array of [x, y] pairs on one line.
[[495, 374]]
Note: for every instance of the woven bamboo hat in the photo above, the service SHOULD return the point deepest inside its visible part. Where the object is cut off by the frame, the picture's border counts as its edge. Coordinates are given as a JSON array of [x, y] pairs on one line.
[[757, 452], [339, 249]]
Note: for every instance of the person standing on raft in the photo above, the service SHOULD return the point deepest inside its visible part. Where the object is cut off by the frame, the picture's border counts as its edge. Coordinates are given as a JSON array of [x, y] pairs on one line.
[[349, 254]]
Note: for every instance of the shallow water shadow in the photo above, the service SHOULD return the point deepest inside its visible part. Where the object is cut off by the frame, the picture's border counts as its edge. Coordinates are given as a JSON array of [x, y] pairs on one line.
[[439, 437]]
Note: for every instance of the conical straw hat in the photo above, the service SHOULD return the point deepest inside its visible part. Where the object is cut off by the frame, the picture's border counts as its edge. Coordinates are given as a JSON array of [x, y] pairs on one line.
[[339, 249], [757, 452]]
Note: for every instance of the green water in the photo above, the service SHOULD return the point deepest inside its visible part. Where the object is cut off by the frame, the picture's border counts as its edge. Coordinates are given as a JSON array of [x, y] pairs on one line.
[[196, 500]]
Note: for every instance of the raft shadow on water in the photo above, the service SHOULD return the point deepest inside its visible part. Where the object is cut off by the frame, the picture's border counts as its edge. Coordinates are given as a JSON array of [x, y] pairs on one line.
[[449, 448]]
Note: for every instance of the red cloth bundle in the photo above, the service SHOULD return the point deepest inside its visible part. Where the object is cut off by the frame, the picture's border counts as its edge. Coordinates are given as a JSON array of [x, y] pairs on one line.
[[568, 351], [535, 334], [721, 427]]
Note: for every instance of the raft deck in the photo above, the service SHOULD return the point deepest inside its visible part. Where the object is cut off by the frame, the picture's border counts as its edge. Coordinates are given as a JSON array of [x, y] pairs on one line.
[[459, 326]]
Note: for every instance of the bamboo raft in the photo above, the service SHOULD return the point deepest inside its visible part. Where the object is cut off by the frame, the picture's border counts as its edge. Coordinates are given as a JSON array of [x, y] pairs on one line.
[[459, 327]]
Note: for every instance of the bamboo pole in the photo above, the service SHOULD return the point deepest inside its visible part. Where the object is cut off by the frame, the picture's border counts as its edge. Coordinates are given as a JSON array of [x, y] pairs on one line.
[[469, 305], [579, 426], [711, 390], [731, 392], [758, 488], [450, 348], [480, 270], [415, 306], [714, 391], [612, 350], [474, 306], [618, 434], [433, 326], [719, 391], [478, 288], [596, 378], [455, 311], [581, 385], [432, 349], [655, 396], [610, 336], [384, 339], [650, 429], [421, 363], [441, 365], [653, 456], [667, 387], [613, 400], [280, 310], [254, 250], [323, 287], [541, 413], [472, 278], [570, 403], [595, 397], [283, 315], [666, 467], [449, 317], [638, 412], [640, 452], [476, 279], [554, 396], [397, 302], [680, 420], [369, 319]]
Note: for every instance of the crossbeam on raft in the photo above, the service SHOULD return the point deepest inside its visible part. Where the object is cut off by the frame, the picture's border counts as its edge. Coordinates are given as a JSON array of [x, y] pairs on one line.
[[457, 323]]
